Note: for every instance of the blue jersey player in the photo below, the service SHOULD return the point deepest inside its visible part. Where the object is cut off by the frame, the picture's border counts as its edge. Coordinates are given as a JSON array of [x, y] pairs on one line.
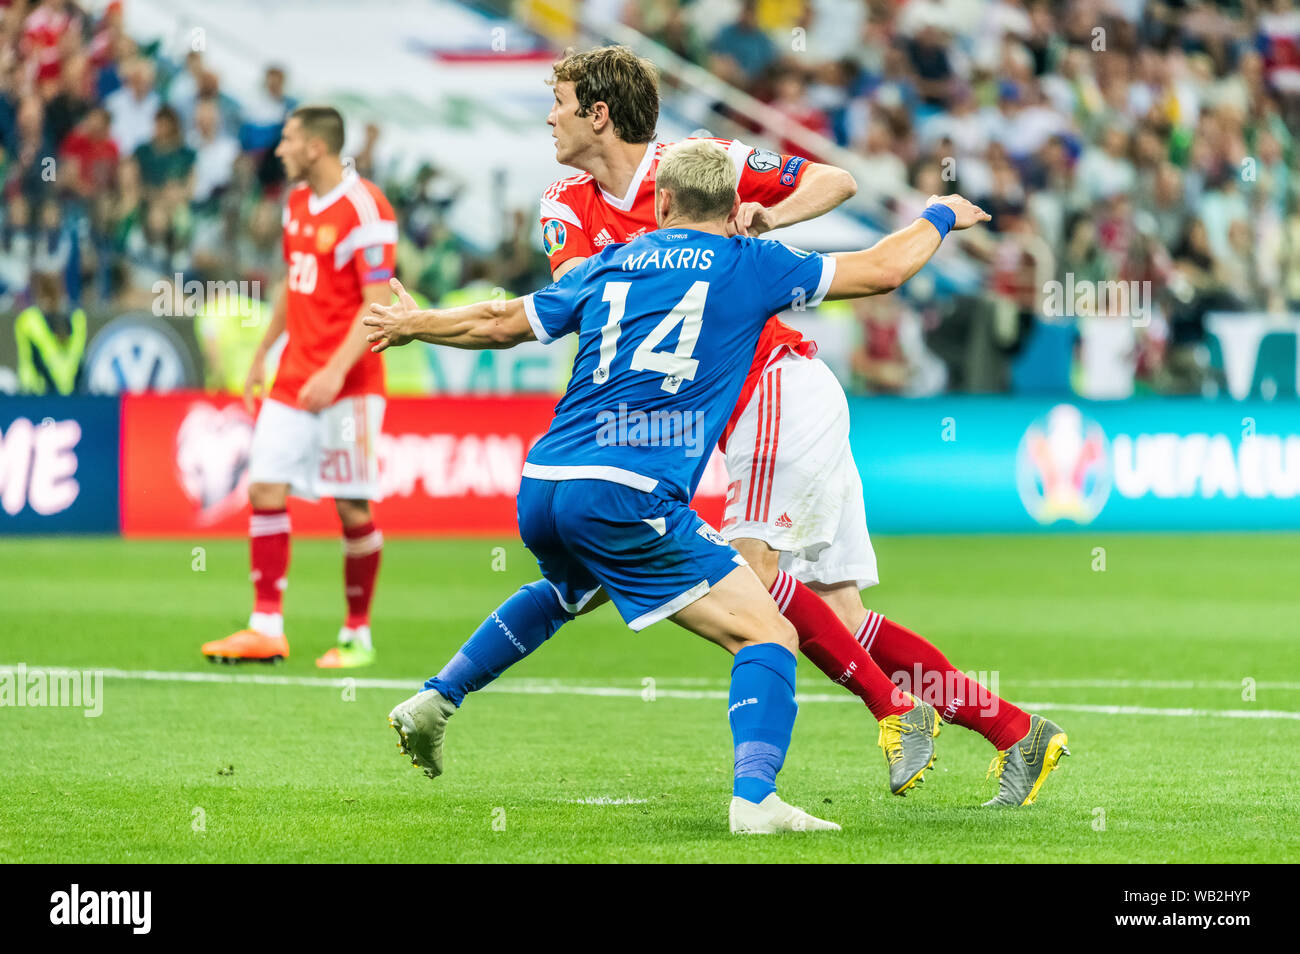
[[667, 325]]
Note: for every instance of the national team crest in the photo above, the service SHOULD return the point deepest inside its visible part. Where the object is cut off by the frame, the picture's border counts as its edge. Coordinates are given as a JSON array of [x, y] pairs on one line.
[[325, 237], [554, 235]]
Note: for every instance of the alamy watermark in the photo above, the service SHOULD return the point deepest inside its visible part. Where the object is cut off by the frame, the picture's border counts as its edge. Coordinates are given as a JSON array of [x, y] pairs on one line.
[[75, 906], [1085, 298], [177, 298], [53, 689], [629, 427], [948, 691]]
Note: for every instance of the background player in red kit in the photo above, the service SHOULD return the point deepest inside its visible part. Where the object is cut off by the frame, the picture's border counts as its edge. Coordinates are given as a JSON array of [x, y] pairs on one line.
[[317, 430]]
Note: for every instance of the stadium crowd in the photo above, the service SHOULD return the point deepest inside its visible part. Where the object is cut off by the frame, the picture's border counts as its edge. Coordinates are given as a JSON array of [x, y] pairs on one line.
[[1129, 140], [1111, 139], [122, 169]]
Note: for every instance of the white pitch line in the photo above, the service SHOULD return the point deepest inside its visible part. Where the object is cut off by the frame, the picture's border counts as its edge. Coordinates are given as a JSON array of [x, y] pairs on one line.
[[1172, 713], [1190, 684], [603, 800], [1180, 684], [548, 688]]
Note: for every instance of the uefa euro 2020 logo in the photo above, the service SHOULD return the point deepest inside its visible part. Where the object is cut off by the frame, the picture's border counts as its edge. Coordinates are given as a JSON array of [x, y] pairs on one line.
[[554, 235], [1063, 467]]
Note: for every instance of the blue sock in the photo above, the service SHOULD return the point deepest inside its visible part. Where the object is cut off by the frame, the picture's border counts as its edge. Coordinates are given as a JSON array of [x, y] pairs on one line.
[[762, 716], [515, 629]]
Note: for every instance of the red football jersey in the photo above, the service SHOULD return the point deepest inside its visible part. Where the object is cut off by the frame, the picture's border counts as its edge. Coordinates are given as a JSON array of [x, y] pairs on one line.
[[579, 218], [334, 245]]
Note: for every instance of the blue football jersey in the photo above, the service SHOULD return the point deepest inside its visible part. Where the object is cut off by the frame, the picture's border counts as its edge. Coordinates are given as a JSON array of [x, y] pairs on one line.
[[667, 326]]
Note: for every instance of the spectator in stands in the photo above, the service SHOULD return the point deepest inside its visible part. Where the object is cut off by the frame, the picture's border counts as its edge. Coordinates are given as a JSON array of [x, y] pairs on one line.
[[107, 48], [928, 52], [1165, 204], [879, 364], [90, 156], [73, 99], [16, 253], [364, 159], [43, 34], [52, 249], [265, 113], [183, 91], [1176, 143], [155, 251], [133, 107], [743, 44], [214, 152], [31, 158], [258, 250], [791, 101], [165, 158], [1105, 169], [881, 165], [675, 31], [892, 357]]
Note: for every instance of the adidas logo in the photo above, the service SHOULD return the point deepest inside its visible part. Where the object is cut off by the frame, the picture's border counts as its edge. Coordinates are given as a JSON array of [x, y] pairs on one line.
[[603, 238], [784, 521]]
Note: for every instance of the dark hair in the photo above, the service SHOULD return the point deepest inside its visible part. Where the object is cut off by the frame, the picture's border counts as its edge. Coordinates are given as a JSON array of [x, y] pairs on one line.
[[617, 77], [323, 122], [172, 118]]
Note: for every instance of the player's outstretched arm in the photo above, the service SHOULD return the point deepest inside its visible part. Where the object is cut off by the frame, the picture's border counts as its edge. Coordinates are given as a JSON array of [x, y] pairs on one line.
[[486, 324], [900, 255]]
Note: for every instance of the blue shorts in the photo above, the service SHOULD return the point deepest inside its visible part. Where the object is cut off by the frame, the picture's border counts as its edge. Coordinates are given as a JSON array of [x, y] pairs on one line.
[[652, 553]]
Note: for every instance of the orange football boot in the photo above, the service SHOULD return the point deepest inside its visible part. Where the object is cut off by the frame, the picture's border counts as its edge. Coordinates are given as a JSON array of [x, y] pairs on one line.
[[247, 645]]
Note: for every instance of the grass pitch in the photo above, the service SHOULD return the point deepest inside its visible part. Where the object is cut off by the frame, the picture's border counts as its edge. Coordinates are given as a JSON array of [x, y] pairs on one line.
[[605, 746]]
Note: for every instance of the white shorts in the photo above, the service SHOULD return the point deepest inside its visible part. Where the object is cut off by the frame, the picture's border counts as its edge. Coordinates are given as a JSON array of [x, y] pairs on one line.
[[793, 481], [330, 454]]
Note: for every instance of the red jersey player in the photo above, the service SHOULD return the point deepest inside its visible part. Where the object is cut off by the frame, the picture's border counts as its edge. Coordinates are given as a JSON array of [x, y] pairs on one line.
[[795, 507], [317, 430]]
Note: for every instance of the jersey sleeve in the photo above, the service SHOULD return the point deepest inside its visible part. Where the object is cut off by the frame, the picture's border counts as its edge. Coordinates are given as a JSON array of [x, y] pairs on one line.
[[555, 311], [371, 246], [790, 277], [766, 177], [563, 234]]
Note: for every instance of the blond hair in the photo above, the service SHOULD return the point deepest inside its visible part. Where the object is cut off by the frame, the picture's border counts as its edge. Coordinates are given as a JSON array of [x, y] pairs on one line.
[[701, 177]]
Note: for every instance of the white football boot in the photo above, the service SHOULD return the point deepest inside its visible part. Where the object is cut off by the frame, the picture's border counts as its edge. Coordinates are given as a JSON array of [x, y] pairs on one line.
[[773, 815], [421, 723]]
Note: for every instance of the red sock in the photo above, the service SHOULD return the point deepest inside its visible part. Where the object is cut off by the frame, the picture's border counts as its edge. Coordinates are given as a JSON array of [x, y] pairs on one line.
[[914, 663], [362, 547], [268, 545], [831, 647]]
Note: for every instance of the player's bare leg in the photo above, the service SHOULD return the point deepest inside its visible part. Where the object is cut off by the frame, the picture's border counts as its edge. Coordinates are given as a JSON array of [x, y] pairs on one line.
[[907, 726], [737, 612], [1028, 746], [362, 547], [263, 640], [738, 615]]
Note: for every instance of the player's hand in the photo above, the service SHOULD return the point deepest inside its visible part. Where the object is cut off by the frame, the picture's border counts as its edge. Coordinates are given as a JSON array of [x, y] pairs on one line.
[[752, 219], [967, 212], [321, 390], [391, 322], [254, 385]]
